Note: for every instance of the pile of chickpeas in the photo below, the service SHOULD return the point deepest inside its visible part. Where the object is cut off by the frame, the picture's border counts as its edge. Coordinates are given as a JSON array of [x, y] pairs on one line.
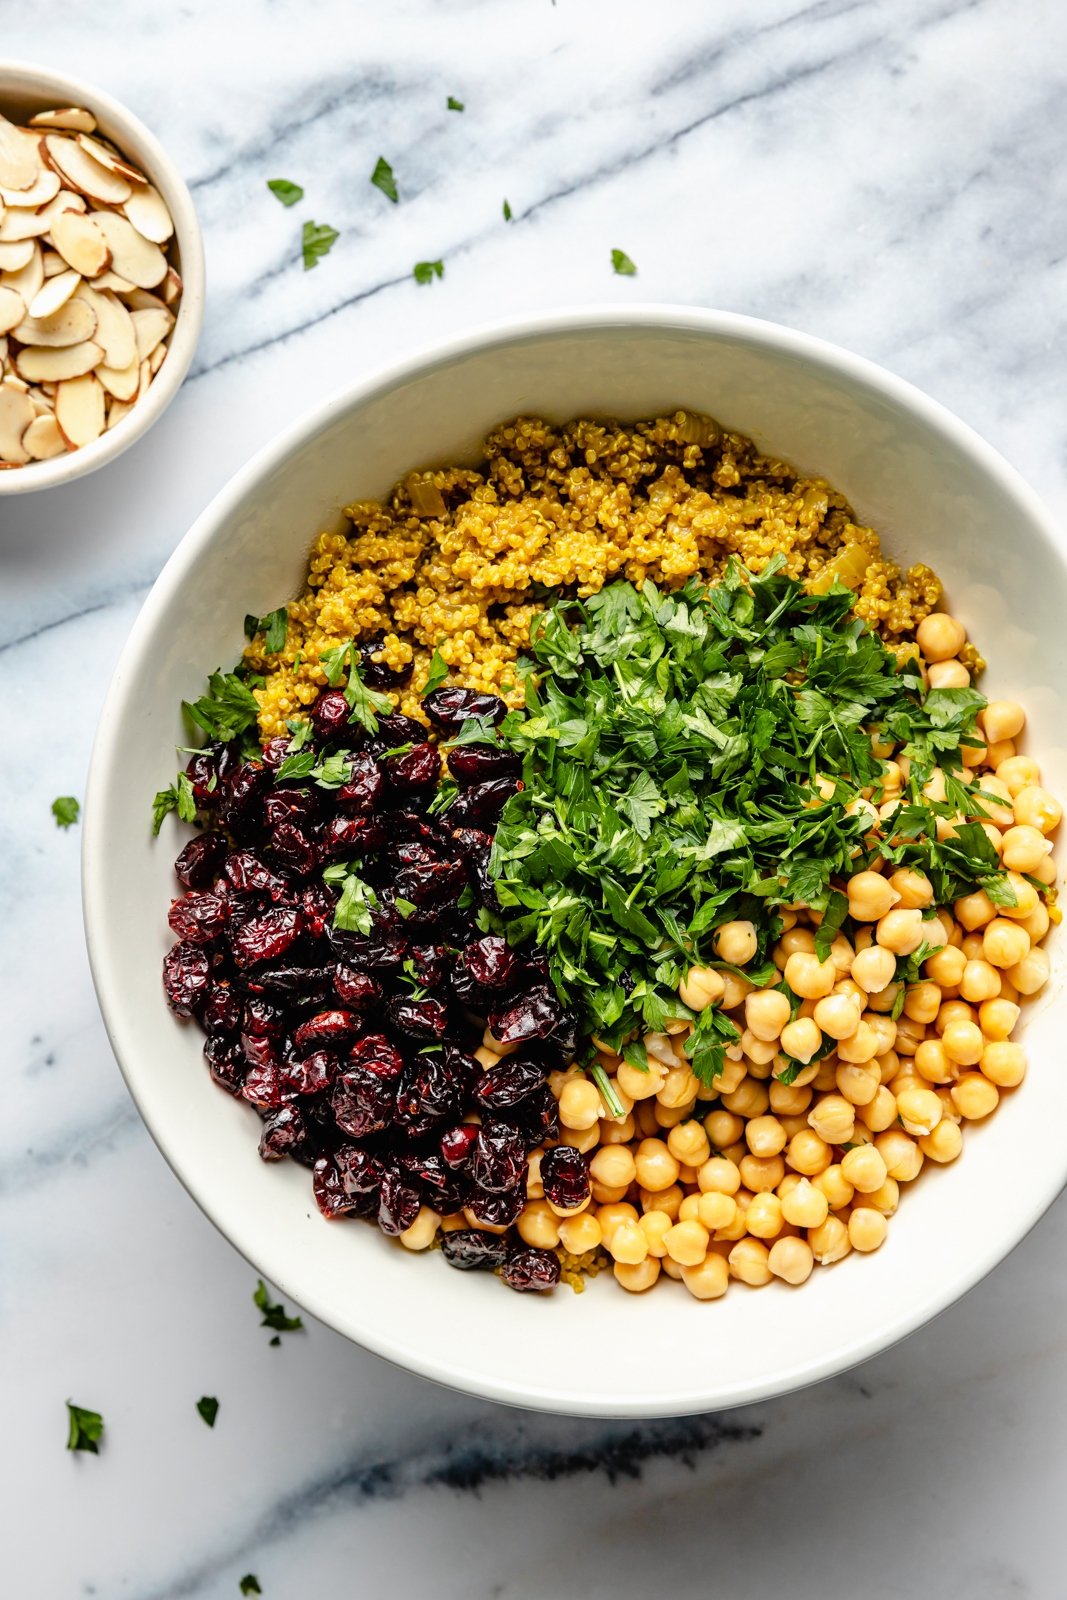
[[753, 1178]]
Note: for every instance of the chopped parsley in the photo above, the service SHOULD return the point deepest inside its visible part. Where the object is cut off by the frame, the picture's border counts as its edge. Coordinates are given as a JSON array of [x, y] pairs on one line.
[[507, 211], [382, 178], [427, 271], [288, 193], [318, 240], [208, 1408], [274, 626], [622, 264], [227, 710], [364, 703], [178, 797], [274, 1314], [438, 673], [406, 908], [297, 764], [672, 748], [86, 1429], [65, 809], [353, 912], [454, 104], [250, 1583]]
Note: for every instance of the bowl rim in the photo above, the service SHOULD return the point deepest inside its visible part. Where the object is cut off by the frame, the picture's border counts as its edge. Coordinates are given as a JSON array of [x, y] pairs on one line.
[[485, 337], [18, 76]]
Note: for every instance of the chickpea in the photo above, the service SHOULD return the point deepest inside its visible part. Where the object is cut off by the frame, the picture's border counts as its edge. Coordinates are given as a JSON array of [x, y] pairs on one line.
[[759, 1052], [613, 1164], [611, 1216], [1004, 943], [913, 888], [792, 940], [1036, 808], [997, 1018], [886, 1199], [792, 1260], [858, 1084], [873, 968], [805, 1206], [830, 1241], [940, 637], [736, 942], [867, 1229], [612, 1132], [807, 1153], [761, 1173], [765, 1136], [538, 1225], [974, 1096], [833, 1120], [701, 987], [1025, 848], [1046, 872], [420, 1235], [837, 1016], [749, 1099], [723, 1128], [922, 1000], [962, 1042], [583, 1139], [709, 1279], [688, 1143], [835, 1186], [579, 1233], [787, 1099], [1003, 1063], [809, 977], [1026, 898], [1037, 923], [901, 931], [948, 675], [943, 1143], [656, 1168], [920, 1111], [679, 1088], [766, 1013], [1018, 773], [735, 991], [870, 896], [636, 1277], [641, 1085], [1032, 972], [945, 968], [715, 1211], [687, 1243], [579, 1104], [669, 1200], [627, 1243], [731, 1077], [864, 1168], [980, 981], [975, 910], [748, 1262], [655, 1225], [881, 1112], [801, 1039]]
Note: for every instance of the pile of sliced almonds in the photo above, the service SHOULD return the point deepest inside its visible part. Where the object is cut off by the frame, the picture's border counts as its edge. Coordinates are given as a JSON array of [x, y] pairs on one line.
[[88, 297]]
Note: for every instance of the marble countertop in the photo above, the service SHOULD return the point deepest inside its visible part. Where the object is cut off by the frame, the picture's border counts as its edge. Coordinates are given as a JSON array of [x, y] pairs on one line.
[[890, 177]]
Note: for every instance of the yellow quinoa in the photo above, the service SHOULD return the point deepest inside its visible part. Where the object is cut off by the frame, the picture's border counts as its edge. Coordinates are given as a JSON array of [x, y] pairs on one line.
[[461, 560]]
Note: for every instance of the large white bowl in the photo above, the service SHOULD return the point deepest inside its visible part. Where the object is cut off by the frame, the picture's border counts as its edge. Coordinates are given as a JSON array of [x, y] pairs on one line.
[[936, 492]]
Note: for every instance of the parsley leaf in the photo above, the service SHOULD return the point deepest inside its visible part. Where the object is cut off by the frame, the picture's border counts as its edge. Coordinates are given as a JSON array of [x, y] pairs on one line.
[[250, 1583], [382, 178], [274, 1314], [622, 264], [297, 764], [437, 675], [318, 240], [507, 211], [454, 104], [426, 271], [365, 703], [228, 708], [208, 1408], [65, 809], [86, 1429], [288, 193], [407, 908], [178, 797], [353, 910]]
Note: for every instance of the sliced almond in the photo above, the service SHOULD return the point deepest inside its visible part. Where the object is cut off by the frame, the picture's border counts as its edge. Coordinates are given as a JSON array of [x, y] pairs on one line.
[[73, 323], [114, 328], [83, 172], [76, 118], [13, 381], [42, 438], [109, 159], [10, 302], [122, 382], [151, 328], [54, 292], [145, 209], [80, 410], [41, 403], [172, 287], [157, 358], [16, 254], [111, 280], [3, 352], [20, 224], [19, 161], [45, 187], [16, 415], [143, 300], [26, 280], [44, 364], [82, 243], [132, 255], [116, 411]]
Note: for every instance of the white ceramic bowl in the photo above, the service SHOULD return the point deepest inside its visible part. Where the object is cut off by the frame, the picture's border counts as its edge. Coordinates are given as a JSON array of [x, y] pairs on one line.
[[936, 492], [26, 89]]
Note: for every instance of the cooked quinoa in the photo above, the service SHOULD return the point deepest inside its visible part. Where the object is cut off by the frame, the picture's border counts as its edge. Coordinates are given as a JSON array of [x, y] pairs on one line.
[[459, 559]]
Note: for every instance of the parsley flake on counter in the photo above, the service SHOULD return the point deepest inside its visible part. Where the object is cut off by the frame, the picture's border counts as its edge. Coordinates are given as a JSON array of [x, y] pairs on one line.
[[288, 193], [178, 797], [426, 271], [86, 1429], [454, 104], [507, 211], [274, 1313], [208, 1408], [65, 809], [382, 178], [622, 264], [318, 240], [250, 1583]]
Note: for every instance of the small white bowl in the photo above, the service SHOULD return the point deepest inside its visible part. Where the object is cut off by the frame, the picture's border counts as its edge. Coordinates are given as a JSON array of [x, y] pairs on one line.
[[936, 493], [26, 89]]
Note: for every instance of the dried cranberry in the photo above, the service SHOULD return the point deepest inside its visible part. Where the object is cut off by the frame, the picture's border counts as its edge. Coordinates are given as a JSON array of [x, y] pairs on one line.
[[226, 1064], [262, 1018], [507, 1083], [260, 1050], [203, 775], [276, 749], [457, 1145], [333, 1028], [533, 1015], [248, 875], [536, 1117], [447, 708], [417, 1019], [263, 1086], [485, 969], [268, 937], [290, 805], [463, 1069], [186, 976], [426, 1096], [395, 729], [497, 1210], [478, 763], [329, 1191], [431, 885], [330, 714], [357, 990], [201, 860], [565, 1175], [348, 836], [375, 674], [221, 1012], [378, 951], [529, 1270], [312, 1075], [473, 1251], [474, 846], [361, 1173], [318, 905], [363, 1103], [482, 804], [198, 917], [363, 791], [375, 1050], [308, 985], [283, 1133], [416, 771], [241, 806], [399, 1204], [431, 963], [444, 1190], [499, 1159]]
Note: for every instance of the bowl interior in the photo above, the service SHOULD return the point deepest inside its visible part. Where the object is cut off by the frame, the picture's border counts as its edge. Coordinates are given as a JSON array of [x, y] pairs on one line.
[[936, 494]]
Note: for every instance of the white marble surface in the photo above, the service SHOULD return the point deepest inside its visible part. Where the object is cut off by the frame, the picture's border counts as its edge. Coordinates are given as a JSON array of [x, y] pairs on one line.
[[887, 176]]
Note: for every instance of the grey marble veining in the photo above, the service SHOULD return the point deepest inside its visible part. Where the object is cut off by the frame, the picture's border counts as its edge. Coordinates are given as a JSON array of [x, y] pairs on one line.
[[887, 176]]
